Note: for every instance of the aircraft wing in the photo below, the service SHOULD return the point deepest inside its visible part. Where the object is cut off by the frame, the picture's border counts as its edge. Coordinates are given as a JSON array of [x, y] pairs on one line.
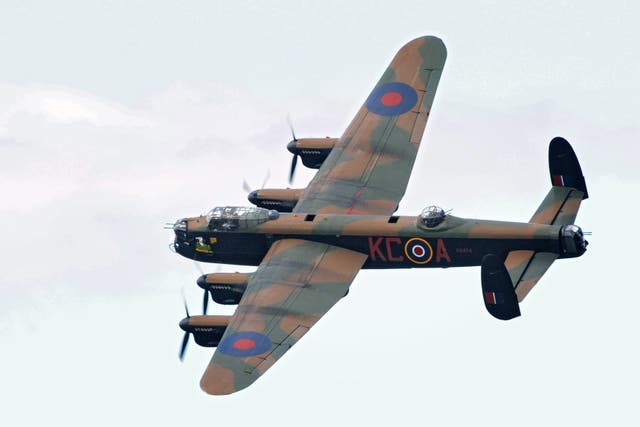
[[297, 282], [368, 170]]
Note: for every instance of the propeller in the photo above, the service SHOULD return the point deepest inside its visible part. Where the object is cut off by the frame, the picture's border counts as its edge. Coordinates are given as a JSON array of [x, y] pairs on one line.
[[294, 163], [185, 339], [205, 301], [294, 160], [247, 188], [205, 297]]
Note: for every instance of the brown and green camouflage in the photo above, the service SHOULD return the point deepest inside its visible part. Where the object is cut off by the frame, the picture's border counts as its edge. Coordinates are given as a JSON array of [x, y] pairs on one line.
[[343, 221]]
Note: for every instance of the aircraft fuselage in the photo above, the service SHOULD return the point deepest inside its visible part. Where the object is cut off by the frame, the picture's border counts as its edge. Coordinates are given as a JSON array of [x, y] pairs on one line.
[[390, 242]]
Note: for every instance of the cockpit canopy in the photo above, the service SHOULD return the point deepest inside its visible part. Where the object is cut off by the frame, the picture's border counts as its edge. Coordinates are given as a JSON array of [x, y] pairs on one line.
[[431, 216], [228, 218]]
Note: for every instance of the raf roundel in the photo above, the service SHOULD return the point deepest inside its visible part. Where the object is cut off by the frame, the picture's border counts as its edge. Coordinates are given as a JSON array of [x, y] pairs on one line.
[[245, 344], [418, 250], [392, 99]]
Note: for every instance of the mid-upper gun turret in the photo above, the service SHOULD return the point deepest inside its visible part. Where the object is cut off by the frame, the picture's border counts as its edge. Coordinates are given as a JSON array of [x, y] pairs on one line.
[[431, 216]]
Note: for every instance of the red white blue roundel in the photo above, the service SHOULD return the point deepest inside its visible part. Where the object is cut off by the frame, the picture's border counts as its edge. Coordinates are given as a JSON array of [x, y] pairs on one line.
[[392, 99], [245, 344], [418, 250]]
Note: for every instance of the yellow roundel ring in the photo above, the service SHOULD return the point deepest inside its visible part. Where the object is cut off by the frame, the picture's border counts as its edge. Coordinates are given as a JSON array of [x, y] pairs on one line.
[[418, 250]]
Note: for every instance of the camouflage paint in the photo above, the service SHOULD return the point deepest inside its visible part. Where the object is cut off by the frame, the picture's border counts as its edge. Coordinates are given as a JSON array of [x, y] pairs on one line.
[[295, 285], [341, 222], [368, 170], [455, 242]]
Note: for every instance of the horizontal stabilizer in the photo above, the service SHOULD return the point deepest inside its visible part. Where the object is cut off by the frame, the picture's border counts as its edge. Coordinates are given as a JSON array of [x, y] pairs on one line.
[[526, 268], [497, 290]]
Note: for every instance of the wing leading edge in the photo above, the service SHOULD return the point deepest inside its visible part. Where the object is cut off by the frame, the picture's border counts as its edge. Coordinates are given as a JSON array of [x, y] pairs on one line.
[[368, 170], [297, 283]]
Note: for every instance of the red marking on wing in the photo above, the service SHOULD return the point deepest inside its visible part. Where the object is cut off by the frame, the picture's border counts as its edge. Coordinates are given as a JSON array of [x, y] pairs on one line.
[[244, 344], [352, 211], [391, 99]]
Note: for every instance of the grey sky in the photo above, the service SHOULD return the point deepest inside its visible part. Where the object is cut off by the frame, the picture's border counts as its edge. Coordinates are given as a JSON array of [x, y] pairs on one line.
[[118, 116]]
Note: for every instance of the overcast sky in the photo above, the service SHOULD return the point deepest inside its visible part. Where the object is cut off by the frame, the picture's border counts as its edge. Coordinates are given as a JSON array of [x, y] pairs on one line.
[[118, 116]]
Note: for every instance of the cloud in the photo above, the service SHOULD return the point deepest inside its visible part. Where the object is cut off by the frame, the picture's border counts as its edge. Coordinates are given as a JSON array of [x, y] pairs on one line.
[[86, 191], [64, 106]]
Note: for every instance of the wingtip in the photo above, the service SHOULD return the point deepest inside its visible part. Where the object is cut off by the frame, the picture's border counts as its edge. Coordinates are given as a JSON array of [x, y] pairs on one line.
[[430, 47], [220, 381], [427, 39]]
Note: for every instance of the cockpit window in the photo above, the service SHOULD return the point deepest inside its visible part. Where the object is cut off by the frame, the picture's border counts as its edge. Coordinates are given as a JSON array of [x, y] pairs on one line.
[[228, 218]]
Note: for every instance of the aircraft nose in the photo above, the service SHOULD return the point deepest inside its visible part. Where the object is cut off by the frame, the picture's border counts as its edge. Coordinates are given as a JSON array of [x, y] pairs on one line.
[[180, 225]]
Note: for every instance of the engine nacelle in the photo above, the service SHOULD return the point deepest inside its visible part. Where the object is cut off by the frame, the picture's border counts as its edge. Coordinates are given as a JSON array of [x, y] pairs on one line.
[[282, 200], [206, 330], [225, 288], [312, 151]]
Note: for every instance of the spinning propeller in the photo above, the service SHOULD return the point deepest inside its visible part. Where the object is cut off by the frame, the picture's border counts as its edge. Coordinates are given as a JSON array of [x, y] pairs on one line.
[[247, 188], [185, 339], [205, 297], [205, 301], [290, 146]]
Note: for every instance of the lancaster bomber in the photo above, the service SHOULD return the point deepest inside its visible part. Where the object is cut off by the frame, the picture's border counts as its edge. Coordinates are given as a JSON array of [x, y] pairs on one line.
[[309, 244]]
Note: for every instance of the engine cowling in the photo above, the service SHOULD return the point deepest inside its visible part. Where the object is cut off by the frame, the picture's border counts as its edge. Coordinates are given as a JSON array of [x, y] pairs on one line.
[[207, 331], [282, 200], [312, 151], [225, 288]]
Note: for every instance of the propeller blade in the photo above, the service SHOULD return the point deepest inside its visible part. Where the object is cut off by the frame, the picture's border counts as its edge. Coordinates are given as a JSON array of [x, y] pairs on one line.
[[183, 348], [245, 186], [293, 133], [184, 301], [294, 163], [266, 178], [205, 301]]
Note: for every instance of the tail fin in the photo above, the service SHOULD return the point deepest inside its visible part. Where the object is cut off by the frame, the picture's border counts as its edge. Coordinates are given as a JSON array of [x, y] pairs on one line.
[[499, 296], [564, 167], [560, 207]]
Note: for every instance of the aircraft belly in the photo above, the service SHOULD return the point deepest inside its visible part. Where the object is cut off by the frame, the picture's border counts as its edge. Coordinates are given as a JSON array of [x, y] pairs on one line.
[[234, 248], [383, 251], [418, 252]]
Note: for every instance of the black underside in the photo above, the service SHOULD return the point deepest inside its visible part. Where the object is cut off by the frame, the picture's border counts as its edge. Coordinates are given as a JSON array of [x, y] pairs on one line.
[[384, 252], [564, 162], [314, 158], [497, 290], [209, 338], [227, 294]]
